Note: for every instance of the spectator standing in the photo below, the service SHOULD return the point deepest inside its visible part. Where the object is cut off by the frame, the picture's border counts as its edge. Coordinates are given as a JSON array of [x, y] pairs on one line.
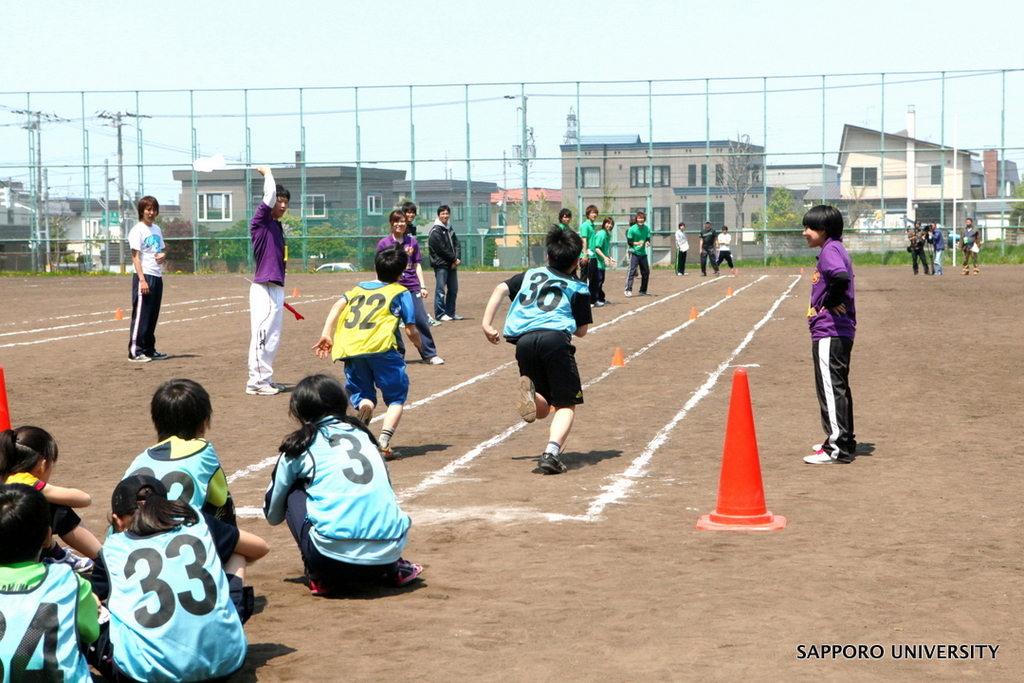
[[938, 240], [970, 245], [445, 258], [724, 246], [147, 245], [918, 237], [708, 236], [638, 237], [682, 246]]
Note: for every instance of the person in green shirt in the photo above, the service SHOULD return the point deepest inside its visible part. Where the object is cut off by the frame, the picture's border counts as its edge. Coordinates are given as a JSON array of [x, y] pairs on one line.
[[45, 606], [599, 245], [587, 233], [638, 237]]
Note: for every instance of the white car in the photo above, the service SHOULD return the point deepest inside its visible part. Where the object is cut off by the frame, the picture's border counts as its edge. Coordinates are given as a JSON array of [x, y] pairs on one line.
[[336, 268]]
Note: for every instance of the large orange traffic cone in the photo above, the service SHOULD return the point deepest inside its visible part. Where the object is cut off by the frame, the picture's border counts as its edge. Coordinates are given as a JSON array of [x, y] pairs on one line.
[[5, 413], [295, 292], [693, 313], [740, 490], [617, 361], [119, 314]]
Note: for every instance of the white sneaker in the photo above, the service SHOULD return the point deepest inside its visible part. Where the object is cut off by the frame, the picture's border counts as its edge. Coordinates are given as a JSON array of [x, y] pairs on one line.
[[823, 458], [436, 360], [446, 318], [266, 390], [627, 293], [817, 447]]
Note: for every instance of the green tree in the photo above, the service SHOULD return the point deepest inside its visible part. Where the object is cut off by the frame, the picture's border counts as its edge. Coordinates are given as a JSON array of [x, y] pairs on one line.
[[180, 245], [1017, 215], [782, 210]]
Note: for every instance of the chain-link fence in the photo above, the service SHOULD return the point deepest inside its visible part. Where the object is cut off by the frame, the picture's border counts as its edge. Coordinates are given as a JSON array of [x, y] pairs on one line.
[[749, 153]]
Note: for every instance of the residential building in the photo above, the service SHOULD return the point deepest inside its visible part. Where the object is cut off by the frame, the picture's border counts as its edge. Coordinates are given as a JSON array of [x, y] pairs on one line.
[[897, 174], [718, 180], [221, 198]]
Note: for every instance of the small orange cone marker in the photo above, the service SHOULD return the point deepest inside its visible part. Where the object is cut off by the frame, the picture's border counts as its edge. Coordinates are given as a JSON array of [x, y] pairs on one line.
[[119, 314], [741, 504], [735, 271], [728, 291], [295, 292], [693, 313], [617, 361], [5, 412], [801, 271]]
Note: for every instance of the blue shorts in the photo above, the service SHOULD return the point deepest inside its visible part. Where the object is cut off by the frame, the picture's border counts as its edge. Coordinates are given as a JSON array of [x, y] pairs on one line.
[[386, 371]]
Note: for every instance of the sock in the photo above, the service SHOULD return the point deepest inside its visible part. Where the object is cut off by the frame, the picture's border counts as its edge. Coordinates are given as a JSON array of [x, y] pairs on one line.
[[385, 436], [553, 448], [56, 552]]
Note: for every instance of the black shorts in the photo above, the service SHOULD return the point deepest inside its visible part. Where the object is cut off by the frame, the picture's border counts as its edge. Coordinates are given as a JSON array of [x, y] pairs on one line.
[[549, 359], [63, 520]]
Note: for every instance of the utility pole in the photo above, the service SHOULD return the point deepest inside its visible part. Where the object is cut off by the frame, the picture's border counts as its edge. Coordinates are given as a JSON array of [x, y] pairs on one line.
[[115, 119], [35, 144]]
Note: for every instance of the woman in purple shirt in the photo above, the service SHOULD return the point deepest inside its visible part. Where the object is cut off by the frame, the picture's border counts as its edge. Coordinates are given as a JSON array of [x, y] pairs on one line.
[[832, 318], [412, 279]]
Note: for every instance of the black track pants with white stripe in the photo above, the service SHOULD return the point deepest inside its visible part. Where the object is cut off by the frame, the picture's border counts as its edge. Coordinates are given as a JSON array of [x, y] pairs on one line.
[[832, 381]]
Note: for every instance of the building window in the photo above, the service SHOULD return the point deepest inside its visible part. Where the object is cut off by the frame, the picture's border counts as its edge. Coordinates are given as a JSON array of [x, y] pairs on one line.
[[316, 206], [659, 176], [215, 206], [458, 211], [864, 176], [703, 175], [936, 175], [719, 175], [589, 177], [375, 204], [755, 174], [483, 213], [691, 175]]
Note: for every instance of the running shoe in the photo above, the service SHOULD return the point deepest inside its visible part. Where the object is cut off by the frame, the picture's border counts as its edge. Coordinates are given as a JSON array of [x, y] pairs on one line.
[[406, 572], [526, 403], [551, 464]]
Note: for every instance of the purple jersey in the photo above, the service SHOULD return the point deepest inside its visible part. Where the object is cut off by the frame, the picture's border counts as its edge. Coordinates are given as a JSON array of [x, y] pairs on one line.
[[267, 245], [408, 278], [823, 322]]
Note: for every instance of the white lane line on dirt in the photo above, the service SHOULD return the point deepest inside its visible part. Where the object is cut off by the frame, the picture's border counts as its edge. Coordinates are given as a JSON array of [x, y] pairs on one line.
[[442, 475], [455, 465], [163, 307], [121, 328], [620, 485]]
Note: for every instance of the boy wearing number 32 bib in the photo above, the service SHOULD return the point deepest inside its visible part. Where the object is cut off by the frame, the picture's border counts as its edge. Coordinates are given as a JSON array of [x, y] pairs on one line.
[[173, 582], [360, 329], [548, 308]]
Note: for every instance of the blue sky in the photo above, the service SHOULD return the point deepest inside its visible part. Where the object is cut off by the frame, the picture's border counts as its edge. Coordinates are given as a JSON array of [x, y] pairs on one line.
[[186, 44]]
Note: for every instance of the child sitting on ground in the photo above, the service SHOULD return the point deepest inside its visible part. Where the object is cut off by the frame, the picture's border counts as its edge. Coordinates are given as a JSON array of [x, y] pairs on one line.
[[183, 460], [39, 603], [28, 456], [365, 340], [549, 307], [332, 487], [173, 580]]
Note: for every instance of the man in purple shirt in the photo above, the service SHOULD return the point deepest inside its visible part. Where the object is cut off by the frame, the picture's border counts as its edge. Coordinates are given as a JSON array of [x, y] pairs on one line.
[[266, 294], [832, 317]]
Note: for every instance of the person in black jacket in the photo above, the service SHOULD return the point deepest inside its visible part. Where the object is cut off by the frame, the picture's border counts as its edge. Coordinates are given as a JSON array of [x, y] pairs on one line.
[[445, 258]]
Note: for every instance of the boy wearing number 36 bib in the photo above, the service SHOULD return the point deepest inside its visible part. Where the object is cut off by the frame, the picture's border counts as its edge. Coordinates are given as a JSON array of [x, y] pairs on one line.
[[360, 329], [549, 306]]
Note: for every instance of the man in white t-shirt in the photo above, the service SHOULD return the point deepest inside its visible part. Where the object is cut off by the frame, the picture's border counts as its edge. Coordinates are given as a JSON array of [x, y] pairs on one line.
[[724, 245], [147, 244]]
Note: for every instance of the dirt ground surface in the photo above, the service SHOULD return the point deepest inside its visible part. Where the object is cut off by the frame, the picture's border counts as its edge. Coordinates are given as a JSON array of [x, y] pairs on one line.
[[599, 574]]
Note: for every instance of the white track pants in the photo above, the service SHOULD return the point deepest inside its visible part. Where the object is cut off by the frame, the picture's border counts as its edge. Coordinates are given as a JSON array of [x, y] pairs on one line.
[[266, 304]]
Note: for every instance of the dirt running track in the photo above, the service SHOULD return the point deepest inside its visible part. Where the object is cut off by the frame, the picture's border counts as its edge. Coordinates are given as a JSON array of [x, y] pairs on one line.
[[598, 574]]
